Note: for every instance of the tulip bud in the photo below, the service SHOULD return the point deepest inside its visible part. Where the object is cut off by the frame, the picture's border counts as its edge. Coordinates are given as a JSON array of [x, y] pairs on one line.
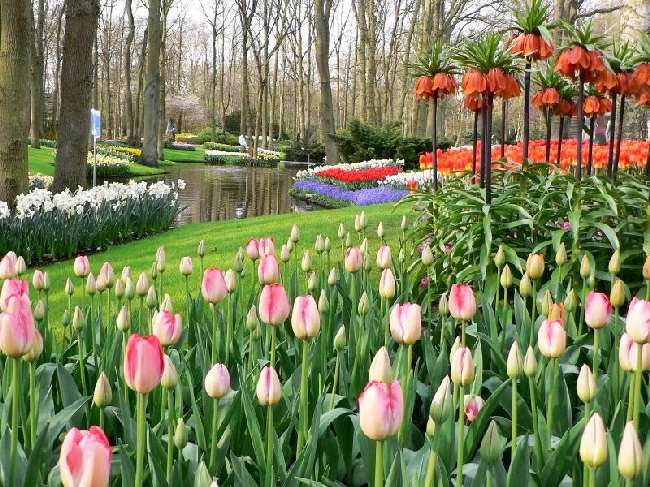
[[142, 286], [217, 381], [103, 394], [387, 284], [630, 455], [126, 273], [441, 405], [312, 281], [426, 256], [323, 302], [614, 266], [364, 304], [123, 320], [551, 339], [571, 301], [380, 369], [404, 223], [462, 367], [431, 428], [108, 275], [598, 310], [295, 233], [285, 253], [230, 277], [560, 255], [348, 240], [166, 304], [129, 288], [535, 266], [362, 219], [69, 287], [78, 318], [472, 405], [514, 363], [557, 313], [593, 444], [161, 259], [525, 287], [353, 259], [333, 277], [357, 223], [200, 250], [252, 321], [319, 244], [586, 384], [406, 323], [454, 346], [119, 288], [646, 268], [238, 261], [462, 302], [169, 377], [384, 258], [37, 280], [20, 266], [340, 339], [154, 272], [401, 257], [617, 294], [381, 410], [546, 303], [506, 277], [500, 257], [443, 305], [637, 322], [327, 244], [341, 231], [305, 264], [530, 362], [492, 445], [380, 230], [585, 267], [305, 319], [65, 319], [39, 310], [269, 389], [180, 435], [185, 266], [290, 246]]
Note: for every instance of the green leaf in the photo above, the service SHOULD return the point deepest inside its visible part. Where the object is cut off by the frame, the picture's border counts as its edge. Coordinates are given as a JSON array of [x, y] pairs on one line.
[[520, 466], [559, 462]]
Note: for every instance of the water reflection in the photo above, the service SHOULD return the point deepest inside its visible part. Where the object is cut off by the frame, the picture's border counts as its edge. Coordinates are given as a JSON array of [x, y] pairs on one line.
[[224, 192]]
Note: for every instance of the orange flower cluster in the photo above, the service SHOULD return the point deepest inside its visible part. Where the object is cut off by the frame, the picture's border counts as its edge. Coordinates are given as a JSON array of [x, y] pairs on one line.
[[597, 105], [439, 85], [565, 108], [548, 97], [640, 80], [533, 46], [615, 83], [473, 102], [496, 81], [458, 160], [577, 62]]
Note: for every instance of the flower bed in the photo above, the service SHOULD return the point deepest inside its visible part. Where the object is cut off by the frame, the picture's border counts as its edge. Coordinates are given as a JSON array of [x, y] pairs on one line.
[[221, 147], [133, 151], [336, 196], [225, 157], [180, 145], [39, 181], [46, 226], [109, 165], [347, 168]]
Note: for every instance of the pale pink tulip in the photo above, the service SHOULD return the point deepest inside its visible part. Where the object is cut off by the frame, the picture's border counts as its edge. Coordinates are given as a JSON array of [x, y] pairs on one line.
[[627, 354], [266, 246], [305, 318], [268, 270], [269, 389], [463, 369], [217, 381], [387, 284], [381, 409], [630, 454], [637, 322], [168, 327], [598, 310], [274, 305], [406, 323], [473, 406], [8, 266], [384, 258], [462, 303], [551, 339], [81, 266], [14, 295], [252, 250], [213, 287], [107, 275], [143, 363], [230, 277], [185, 266], [36, 348], [593, 444], [38, 280], [85, 459], [169, 377], [353, 259], [17, 332]]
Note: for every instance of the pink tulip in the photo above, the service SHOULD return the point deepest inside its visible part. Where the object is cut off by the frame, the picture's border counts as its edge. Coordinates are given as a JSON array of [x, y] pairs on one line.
[[38, 280], [353, 259], [551, 339], [305, 318], [143, 363], [168, 327], [17, 331], [252, 250], [384, 258], [274, 305], [381, 409], [627, 354], [598, 310], [107, 275], [406, 323], [217, 381], [268, 270], [269, 389], [185, 266], [462, 303], [473, 406], [214, 287], [637, 322], [266, 246], [463, 369], [85, 459], [14, 295], [36, 348], [81, 266], [8, 266]]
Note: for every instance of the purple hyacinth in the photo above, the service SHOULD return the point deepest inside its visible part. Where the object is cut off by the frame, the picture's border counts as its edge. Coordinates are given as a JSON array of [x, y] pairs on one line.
[[361, 197]]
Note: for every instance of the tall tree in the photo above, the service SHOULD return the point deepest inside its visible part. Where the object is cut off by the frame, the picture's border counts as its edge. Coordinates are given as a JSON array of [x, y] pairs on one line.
[[130, 116], [152, 87], [37, 74], [15, 25], [327, 128], [81, 17]]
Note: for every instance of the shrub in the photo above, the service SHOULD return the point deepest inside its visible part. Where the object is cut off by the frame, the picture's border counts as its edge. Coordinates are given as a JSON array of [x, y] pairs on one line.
[[177, 145], [220, 137], [224, 157], [48, 143], [221, 147], [299, 152]]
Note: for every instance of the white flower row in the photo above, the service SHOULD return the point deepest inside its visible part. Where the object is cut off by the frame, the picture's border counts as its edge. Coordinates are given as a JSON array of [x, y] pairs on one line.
[[116, 194], [422, 178], [372, 163], [267, 154], [107, 160], [209, 153]]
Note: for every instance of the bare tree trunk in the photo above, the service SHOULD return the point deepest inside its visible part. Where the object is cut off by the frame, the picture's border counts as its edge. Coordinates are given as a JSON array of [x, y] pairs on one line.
[[152, 88], [130, 116], [371, 52], [15, 25], [81, 18], [162, 107], [139, 116], [37, 76], [56, 98], [327, 128], [213, 84]]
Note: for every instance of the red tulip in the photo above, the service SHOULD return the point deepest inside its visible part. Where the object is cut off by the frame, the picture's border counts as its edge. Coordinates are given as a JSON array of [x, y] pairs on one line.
[[167, 327], [462, 303], [214, 287], [85, 459], [143, 363], [381, 409], [274, 305]]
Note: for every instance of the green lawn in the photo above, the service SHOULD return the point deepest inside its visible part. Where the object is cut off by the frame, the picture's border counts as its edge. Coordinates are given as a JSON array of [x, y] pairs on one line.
[[42, 161], [175, 155], [222, 241]]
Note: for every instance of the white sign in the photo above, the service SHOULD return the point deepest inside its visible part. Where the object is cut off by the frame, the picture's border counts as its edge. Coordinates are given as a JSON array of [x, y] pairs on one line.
[[95, 123]]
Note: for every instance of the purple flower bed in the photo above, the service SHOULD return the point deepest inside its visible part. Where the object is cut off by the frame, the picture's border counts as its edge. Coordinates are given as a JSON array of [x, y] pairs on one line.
[[361, 197]]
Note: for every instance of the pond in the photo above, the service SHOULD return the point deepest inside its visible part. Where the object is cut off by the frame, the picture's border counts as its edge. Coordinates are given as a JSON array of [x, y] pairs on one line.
[[224, 192]]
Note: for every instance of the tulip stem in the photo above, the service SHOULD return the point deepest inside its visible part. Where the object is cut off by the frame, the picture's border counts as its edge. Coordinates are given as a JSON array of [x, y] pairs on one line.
[[82, 369], [462, 332], [596, 355], [33, 404], [551, 395], [215, 334], [533, 314], [336, 379], [273, 345], [429, 480], [630, 398], [304, 406], [379, 463], [269, 446], [213, 440], [251, 350], [108, 306], [140, 440], [583, 297], [533, 401], [140, 314], [170, 435], [461, 437], [638, 378], [407, 383], [15, 399], [229, 327], [496, 299], [384, 316], [592, 477], [514, 416]]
